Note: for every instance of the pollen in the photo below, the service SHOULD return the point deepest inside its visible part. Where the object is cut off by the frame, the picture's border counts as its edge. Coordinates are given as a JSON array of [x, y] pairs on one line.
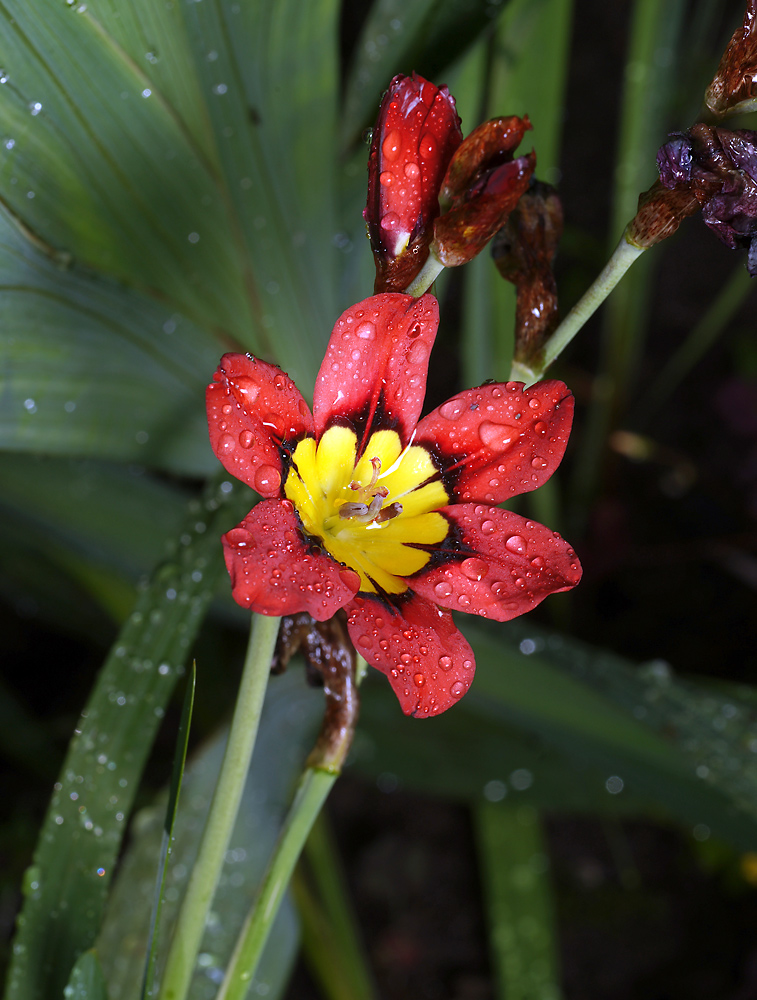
[[375, 512]]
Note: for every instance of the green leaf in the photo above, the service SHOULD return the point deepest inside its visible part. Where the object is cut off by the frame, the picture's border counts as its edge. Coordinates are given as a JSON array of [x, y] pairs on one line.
[[544, 724], [182, 740], [82, 832], [518, 894], [93, 368], [87, 981], [288, 727]]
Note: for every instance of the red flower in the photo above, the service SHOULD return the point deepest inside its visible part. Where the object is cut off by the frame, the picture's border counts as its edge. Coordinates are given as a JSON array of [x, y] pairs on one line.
[[393, 519], [416, 133]]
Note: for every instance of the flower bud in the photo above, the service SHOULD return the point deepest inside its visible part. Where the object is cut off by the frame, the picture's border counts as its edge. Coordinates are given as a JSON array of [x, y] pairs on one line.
[[417, 132], [711, 168], [524, 251], [481, 187], [734, 86]]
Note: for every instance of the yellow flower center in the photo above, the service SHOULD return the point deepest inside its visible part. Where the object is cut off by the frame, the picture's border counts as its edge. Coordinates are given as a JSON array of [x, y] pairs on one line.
[[369, 512]]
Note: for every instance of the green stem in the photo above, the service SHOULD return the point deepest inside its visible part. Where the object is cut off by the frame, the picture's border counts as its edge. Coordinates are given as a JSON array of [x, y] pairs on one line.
[[187, 935], [624, 255], [312, 792], [425, 277], [322, 769]]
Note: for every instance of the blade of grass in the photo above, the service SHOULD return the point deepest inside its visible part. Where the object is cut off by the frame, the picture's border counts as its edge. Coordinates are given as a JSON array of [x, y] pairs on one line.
[[517, 891], [331, 943], [87, 981], [177, 773]]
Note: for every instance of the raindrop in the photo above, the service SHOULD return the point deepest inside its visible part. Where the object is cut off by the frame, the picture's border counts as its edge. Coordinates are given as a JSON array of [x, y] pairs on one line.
[[247, 439], [390, 221], [391, 145], [443, 590], [516, 544], [418, 352], [497, 436], [474, 569], [386, 178], [457, 690], [35, 107], [445, 662], [226, 444], [267, 479], [538, 463], [220, 88], [366, 330], [412, 170], [427, 145], [452, 409], [419, 679]]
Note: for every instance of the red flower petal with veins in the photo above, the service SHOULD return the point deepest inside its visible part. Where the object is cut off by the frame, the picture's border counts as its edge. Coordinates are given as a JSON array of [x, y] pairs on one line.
[[252, 408], [427, 660], [498, 441], [274, 572], [504, 567], [376, 364]]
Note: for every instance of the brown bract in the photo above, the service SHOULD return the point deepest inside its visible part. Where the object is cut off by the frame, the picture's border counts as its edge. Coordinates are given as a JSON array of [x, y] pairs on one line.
[[524, 251], [735, 83], [481, 187]]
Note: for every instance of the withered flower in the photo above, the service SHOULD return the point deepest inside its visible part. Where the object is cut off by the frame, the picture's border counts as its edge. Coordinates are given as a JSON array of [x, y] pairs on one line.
[[734, 86]]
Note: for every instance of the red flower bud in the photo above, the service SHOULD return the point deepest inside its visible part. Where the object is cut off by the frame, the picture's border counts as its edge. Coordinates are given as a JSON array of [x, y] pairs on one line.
[[417, 132], [481, 187]]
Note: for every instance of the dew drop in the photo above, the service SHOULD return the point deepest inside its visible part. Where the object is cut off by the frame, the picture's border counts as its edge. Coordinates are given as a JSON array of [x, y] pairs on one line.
[[226, 409], [457, 690], [246, 439], [488, 528], [419, 679], [412, 170], [390, 221], [418, 352], [497, 436], [267, 479], [445, 662], [406, 659], [540, 427], [515, 544], [498, 588], [452, 409], [385, 178], [226, 444], [248, 387], [390, 147], [474, 569], [538, 463], [442, 590], [427, 146], [534, 404], [366, 330]]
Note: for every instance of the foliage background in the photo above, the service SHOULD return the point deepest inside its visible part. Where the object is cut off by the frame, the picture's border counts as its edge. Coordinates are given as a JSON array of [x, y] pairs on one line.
[[177, 179]]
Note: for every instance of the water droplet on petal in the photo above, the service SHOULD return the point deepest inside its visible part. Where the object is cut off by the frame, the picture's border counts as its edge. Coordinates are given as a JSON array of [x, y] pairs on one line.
[[267, 479], [540, 427], [442, 590], [497, 436], [427, 146], [418, 352], [474, 569], [366, 330], [391, 145], [515, 544], [385, 178], [419, 679], [452, 409], [457, 690], [445, 662], [412, 170], [226, 444], [488, 528], [248, 387], [534, 404], [247, 439], [390, 221], [226, 409], [406, 659], [538, 463], [498, 588]]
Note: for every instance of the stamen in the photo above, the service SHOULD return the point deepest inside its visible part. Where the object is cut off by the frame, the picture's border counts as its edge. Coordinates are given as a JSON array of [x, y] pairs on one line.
[[392, 510]]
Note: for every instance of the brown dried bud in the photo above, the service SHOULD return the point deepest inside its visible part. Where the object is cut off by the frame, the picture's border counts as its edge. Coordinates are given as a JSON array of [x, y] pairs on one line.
[[524, 251], [330, 660], [660, 213], [734, 86]]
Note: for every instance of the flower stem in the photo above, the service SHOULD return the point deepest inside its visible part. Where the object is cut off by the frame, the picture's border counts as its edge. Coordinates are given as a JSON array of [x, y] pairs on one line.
[[623, 256], [425, 278], [187, 935], [322, 769], [315, 785]]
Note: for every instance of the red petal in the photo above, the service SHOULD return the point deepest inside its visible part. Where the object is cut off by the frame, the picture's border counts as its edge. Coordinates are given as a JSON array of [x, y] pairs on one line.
[[275, 572], [427, 660], [252, 408], [497, 441], [374, 372], [511, 564]]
